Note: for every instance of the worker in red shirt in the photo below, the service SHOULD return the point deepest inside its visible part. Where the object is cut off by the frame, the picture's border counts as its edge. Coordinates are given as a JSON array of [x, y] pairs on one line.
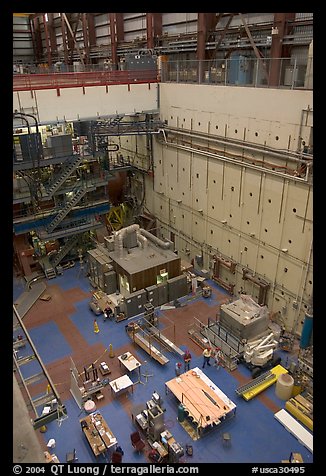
[[187, 359]]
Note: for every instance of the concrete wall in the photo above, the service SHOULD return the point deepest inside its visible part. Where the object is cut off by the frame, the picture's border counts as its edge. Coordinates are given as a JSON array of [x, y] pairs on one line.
[[195, 194], [215, 206], [259, 115], [73, 104]]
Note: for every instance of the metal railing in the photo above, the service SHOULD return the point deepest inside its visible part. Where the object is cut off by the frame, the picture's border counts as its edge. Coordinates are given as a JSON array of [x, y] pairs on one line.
[[237, 71], [242, 71], [61, 67], [58, 80]]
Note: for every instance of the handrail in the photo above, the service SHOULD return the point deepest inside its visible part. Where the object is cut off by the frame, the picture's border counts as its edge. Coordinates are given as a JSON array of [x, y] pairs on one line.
[[27, 82]]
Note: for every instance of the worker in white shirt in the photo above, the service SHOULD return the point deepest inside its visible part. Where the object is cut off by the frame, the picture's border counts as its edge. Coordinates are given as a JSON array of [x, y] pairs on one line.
[[207, 355]]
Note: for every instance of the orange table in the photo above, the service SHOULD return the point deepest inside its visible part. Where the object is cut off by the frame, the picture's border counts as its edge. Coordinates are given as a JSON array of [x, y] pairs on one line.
[[204, 402]]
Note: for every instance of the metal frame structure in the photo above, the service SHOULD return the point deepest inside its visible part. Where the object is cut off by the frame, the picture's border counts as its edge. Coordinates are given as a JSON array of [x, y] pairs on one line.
[[51, 392]]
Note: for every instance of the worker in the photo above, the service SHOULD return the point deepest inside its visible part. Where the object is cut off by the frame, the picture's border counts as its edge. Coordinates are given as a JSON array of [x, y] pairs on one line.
[[154, 455], [177, 369], [217, 357], [107, 313], [207, 355], [187, 359]]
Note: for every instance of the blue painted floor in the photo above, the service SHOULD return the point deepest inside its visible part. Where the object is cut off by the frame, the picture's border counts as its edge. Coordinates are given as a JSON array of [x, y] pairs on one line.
[[256, 436]]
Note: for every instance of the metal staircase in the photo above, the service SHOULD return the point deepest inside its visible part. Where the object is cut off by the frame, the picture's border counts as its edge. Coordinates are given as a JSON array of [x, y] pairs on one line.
[[69, 167], [64, 250], [78, 194], [47, 266]]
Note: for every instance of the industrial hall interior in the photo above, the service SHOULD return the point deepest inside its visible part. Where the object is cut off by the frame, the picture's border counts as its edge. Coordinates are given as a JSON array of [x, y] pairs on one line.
[[162, 238]]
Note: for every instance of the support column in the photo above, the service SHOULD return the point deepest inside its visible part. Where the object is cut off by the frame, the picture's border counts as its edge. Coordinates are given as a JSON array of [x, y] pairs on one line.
[[149, 30], [119, 24], [157, 25], [91, 29], [113, 40], [47, 41], [64, 40], [37, 39], [52, 35], [279, 30], [201, 36], [85, 36], [206, 21]]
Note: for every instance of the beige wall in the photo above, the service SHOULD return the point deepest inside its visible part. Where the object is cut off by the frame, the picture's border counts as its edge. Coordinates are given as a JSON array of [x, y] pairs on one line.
[[270, 113], [194, 194], [72, 104]]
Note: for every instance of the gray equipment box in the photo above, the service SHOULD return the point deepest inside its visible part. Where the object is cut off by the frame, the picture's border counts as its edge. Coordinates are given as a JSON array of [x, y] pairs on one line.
[[162, 293], [152, 295], [110, 282], [244, 319], [61, 145], [177, 287], [27, 147], [134, 303], [140, 62], [109, 242], [130, 240]]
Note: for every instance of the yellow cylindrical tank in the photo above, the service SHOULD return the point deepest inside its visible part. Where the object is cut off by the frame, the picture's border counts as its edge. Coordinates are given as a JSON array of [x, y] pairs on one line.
[[284, 386]]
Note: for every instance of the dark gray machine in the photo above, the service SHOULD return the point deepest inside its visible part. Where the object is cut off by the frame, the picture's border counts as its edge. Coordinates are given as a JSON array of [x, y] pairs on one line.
[[155, 421], [140, 61]]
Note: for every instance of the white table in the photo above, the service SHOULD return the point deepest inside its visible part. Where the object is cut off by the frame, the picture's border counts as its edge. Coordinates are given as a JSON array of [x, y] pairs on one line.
[[121, 384], [130, 363]]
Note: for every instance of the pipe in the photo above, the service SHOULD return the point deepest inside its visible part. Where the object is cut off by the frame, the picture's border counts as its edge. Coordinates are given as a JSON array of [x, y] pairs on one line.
[[237, 162], [165, 245], [141, 240], [118, 237], [233, 142]]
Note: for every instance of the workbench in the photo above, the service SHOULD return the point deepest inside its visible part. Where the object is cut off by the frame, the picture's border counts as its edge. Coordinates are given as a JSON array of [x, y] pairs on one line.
[[121, 385], [204, 403], [98, 433], [130, 363]]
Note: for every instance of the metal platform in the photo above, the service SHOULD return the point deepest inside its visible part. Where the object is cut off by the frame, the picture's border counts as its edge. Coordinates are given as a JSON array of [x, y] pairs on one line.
[[26, 300]]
